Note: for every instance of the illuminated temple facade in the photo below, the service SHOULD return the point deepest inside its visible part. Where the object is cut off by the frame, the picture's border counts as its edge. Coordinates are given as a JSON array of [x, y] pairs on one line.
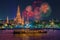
[[18, 19]]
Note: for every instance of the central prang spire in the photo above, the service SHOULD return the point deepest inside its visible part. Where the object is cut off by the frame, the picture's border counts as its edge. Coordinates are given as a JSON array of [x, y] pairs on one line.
[[18, 19], [18, 11]]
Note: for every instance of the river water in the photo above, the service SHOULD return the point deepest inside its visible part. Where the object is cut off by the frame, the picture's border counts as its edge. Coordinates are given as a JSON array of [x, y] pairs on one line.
[[50, 35]]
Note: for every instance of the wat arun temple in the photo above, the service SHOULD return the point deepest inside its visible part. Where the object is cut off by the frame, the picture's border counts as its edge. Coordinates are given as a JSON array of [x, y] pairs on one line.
[[18, 19], [24, 20]]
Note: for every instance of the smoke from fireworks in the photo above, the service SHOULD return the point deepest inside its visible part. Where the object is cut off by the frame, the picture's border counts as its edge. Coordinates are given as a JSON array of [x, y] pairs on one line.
[[37, 13]]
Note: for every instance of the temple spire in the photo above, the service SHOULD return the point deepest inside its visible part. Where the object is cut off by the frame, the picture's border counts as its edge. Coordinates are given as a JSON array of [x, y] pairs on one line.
[[7, 20], [18, 19], [18, 11], [22, 20]]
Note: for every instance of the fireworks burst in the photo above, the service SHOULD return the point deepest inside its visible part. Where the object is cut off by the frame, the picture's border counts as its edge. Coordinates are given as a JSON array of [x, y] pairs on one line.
[[38, 12], [45, 10]]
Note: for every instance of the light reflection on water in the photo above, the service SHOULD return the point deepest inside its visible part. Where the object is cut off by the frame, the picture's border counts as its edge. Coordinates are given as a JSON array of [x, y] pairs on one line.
[[29, 36], [51, 35]]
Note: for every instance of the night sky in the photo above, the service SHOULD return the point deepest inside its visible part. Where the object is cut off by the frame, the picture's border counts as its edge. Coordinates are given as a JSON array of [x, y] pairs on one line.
[[9, 7]]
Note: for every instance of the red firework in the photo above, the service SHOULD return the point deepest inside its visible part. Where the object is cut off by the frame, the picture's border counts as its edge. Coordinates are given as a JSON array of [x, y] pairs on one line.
[[44, 7], [28, 12]]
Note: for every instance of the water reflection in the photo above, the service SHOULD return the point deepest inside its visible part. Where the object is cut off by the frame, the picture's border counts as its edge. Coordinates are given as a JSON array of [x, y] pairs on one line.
[[30, 36], [50, 35]]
